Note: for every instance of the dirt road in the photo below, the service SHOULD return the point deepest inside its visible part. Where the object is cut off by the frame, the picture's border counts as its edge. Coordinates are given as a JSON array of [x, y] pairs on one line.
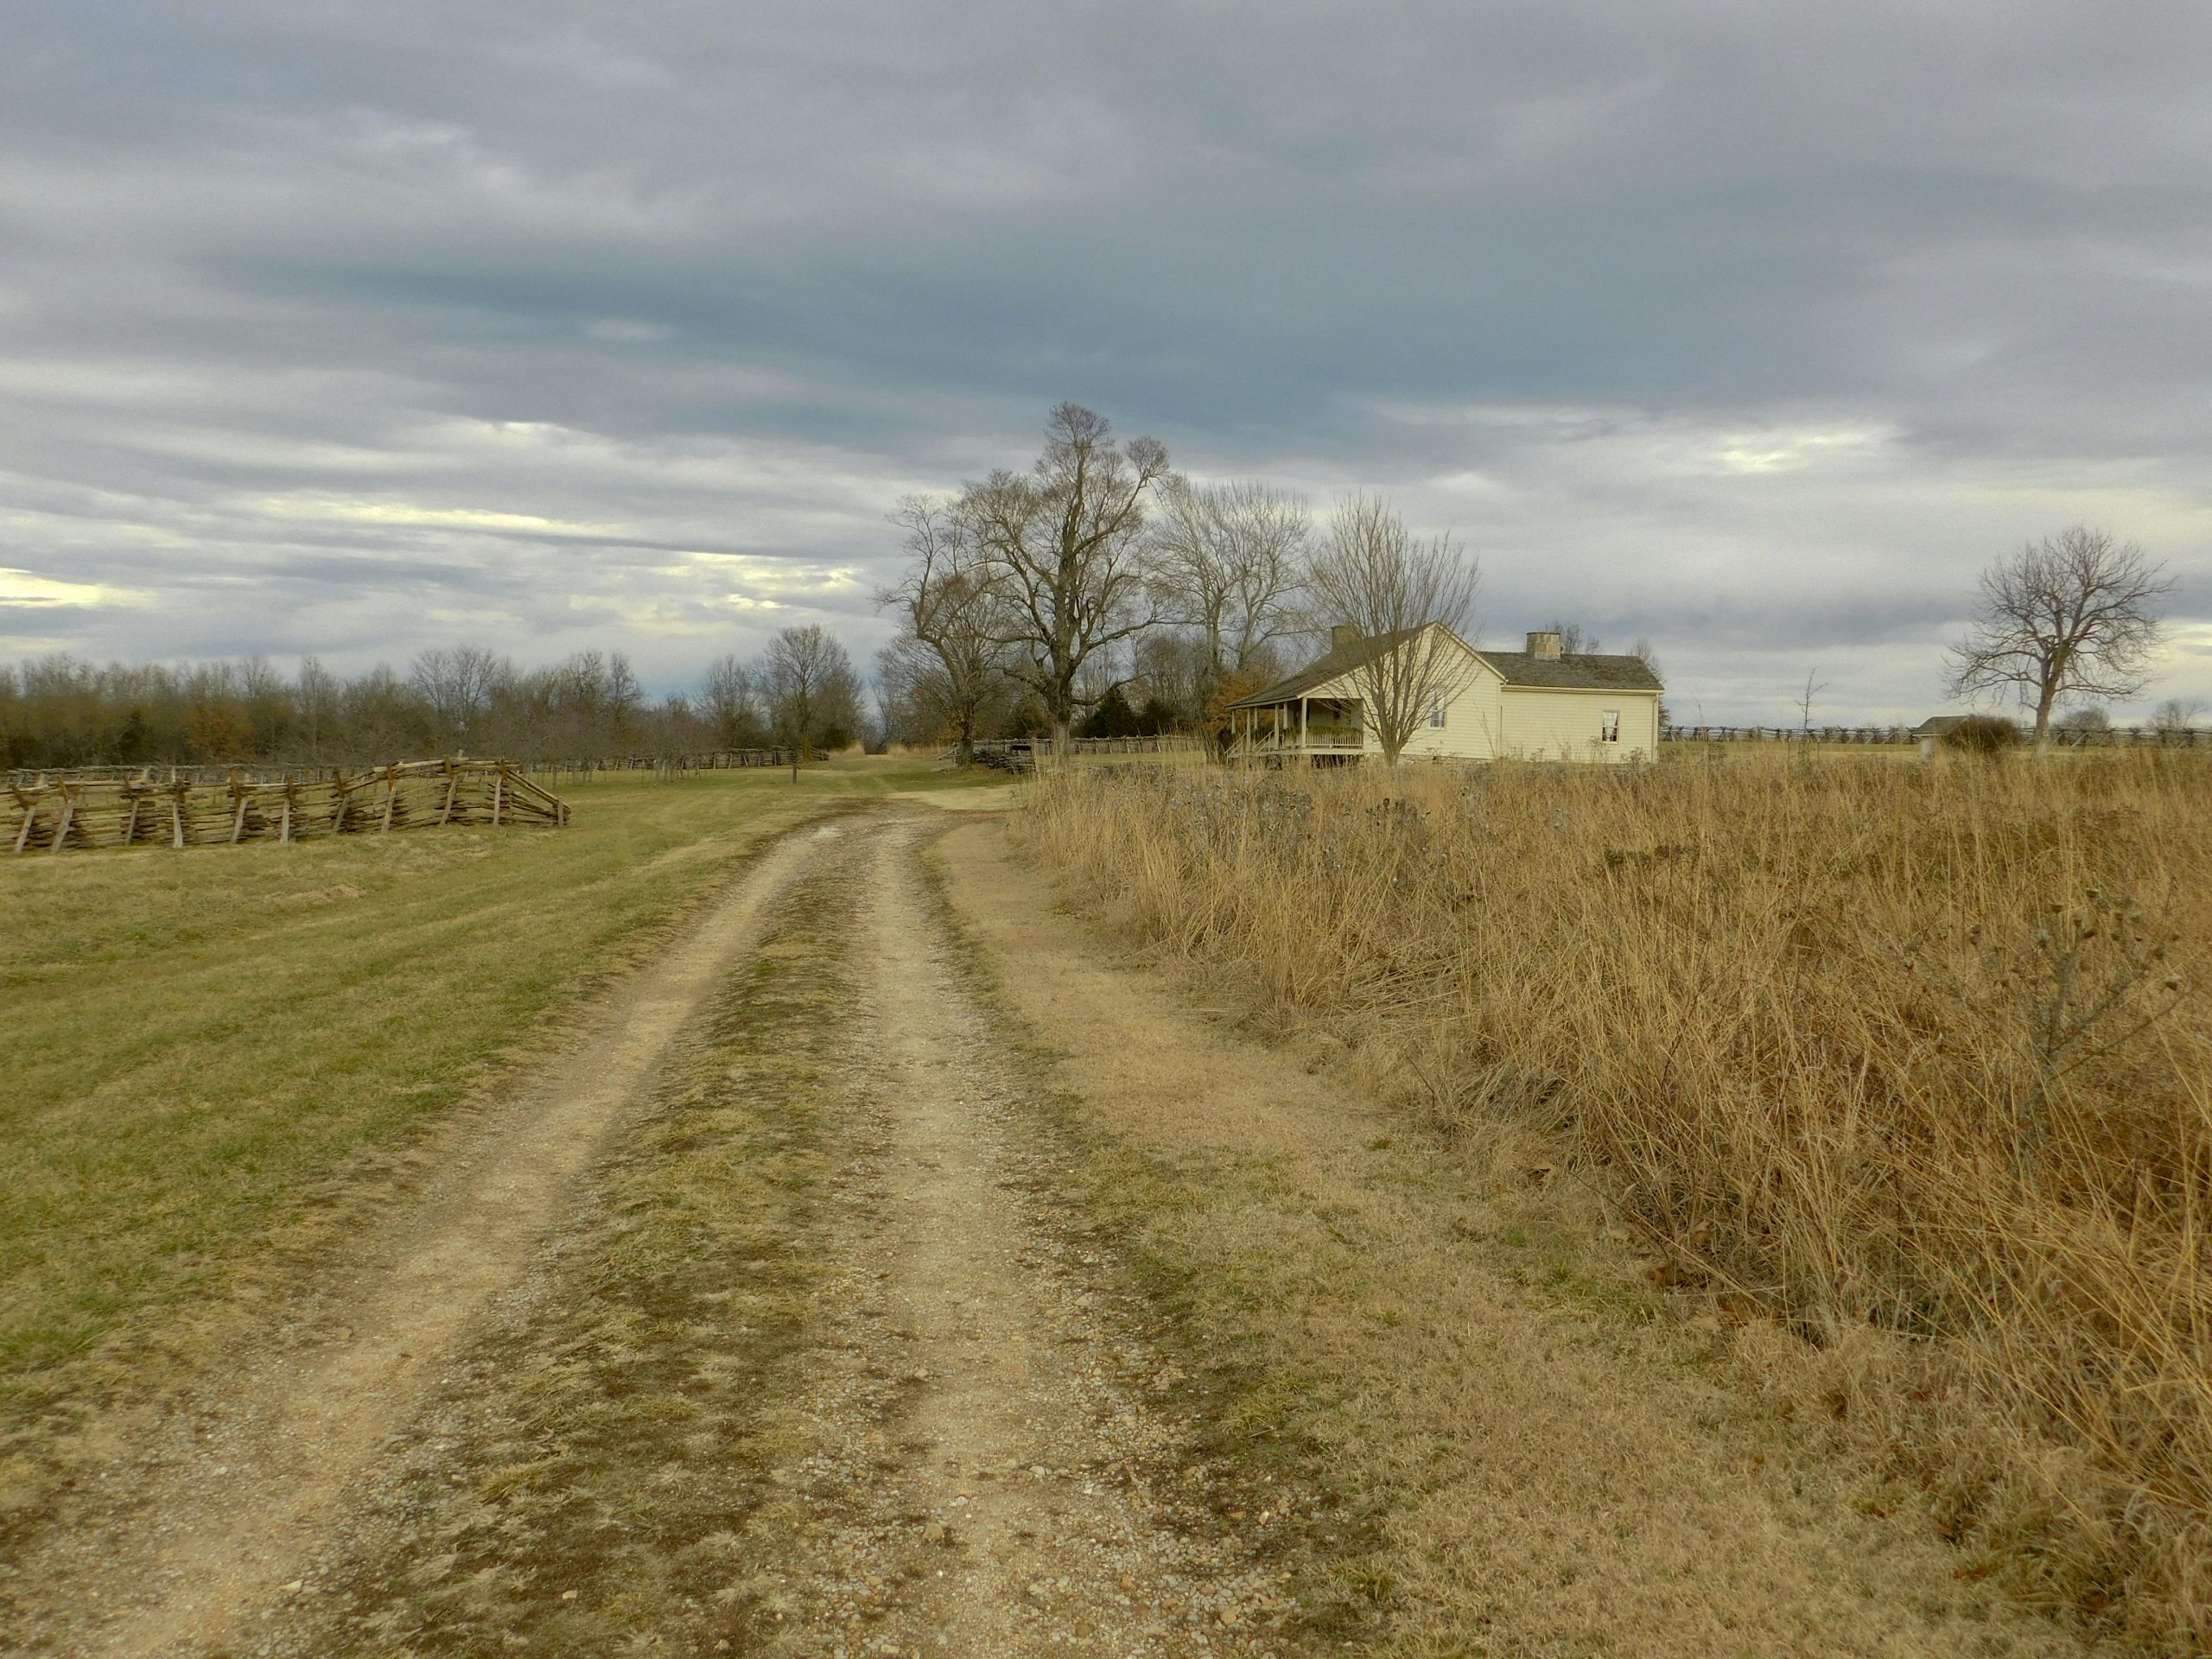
[[968, 1436], [888, 1272]]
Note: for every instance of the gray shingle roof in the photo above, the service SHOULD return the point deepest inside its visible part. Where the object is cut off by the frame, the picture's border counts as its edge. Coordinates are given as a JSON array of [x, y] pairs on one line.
[[1585, 672]]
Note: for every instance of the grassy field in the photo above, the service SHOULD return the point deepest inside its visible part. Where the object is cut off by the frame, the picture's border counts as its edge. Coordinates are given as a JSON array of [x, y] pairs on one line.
[[204, 1046], [1913, 1062]]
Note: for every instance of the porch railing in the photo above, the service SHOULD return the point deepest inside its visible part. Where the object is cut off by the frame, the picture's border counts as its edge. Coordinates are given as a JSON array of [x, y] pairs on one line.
[[1289, 742]]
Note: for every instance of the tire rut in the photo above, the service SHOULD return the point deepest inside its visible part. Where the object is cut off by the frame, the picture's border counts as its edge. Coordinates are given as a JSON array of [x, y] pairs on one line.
[[1009, 1435]]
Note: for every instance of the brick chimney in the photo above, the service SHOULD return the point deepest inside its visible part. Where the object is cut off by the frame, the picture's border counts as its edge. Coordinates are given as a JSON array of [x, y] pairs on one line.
[[1543, 643], [1344, 635]]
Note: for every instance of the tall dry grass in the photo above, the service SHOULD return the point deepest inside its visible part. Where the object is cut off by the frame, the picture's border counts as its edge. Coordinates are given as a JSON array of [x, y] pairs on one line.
[[1916, 1058]]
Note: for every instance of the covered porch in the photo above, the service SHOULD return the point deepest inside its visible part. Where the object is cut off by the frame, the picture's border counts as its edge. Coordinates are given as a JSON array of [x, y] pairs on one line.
[[1298, 727]]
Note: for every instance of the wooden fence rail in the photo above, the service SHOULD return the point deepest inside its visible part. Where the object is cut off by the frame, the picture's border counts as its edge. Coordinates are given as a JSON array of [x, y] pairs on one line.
[[581, 766], [1022, 754], [2149, 737], [145, 810], [662, 765]]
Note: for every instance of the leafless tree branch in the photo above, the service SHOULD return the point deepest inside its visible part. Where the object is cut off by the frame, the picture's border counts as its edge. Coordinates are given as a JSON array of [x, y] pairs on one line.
[[1376, 576], [2073, 615]]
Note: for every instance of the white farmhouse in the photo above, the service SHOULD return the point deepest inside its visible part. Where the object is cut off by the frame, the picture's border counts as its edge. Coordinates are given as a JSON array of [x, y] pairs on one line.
[[1537, 704]]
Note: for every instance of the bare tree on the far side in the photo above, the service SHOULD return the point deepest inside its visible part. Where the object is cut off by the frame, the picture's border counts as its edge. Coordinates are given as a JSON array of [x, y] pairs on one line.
[[732, 705], [810, 687], [946, 665], [1376, 576], [2090, 720], [2073, 615], [1064, 547], [1575, 640], [2176, 715], [1229, 562], [457, 682]]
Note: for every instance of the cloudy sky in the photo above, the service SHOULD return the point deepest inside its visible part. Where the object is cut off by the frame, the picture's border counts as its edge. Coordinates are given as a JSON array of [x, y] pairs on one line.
[[1753, 328]]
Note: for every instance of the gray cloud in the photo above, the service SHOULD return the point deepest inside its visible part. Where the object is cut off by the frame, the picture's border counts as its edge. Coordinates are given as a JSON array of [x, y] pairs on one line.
[[1755, 332]]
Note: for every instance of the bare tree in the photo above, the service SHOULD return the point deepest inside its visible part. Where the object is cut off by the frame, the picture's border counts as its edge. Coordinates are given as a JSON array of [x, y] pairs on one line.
[[920, 703], [1064, 549], [1575, 640], [2089, 720], [2176, 715], [810, 687], [1812, 689], [318, 702], [2073, 615], [1411, 595], [1174, 669], [946, 607], [456, 681], [1229, 561], [732, 705]]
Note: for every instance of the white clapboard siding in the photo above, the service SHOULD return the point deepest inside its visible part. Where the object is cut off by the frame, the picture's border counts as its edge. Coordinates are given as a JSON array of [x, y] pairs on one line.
[[1552, 723]]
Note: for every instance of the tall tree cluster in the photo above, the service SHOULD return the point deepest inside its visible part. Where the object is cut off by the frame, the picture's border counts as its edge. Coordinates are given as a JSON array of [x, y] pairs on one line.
[[58, 711], [1102, 592]]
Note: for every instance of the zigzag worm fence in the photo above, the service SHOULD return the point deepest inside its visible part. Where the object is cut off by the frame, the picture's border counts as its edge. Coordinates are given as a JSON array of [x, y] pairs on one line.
[[90, 812]]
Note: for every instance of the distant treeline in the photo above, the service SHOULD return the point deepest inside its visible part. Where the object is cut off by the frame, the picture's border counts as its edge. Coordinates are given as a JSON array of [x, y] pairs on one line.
[[60, 711]]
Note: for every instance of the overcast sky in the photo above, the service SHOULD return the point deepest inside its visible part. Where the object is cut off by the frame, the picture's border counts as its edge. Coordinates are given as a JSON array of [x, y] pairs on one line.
[[1755, 329]]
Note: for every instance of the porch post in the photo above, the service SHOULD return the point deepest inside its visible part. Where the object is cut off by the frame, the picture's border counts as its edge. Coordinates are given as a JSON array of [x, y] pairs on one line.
[[1301, 723]]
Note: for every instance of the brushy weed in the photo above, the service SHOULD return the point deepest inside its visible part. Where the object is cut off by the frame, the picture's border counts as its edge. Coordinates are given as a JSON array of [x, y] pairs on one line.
[[1913, 1058]]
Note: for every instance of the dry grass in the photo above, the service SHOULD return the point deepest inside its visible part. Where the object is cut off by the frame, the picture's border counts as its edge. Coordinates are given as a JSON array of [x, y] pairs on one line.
[[1913, 1058]]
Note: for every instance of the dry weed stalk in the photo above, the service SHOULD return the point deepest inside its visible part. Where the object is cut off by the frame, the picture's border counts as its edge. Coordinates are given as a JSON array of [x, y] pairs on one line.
[[1917, 1057]]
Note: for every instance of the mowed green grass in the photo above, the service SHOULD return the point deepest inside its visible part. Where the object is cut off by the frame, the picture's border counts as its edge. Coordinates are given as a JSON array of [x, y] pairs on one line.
[[199, 1045]]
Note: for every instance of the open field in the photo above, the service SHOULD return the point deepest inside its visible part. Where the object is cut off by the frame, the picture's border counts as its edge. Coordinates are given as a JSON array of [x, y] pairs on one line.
[[1913, 1060], [207, 1047], [825, 1245]]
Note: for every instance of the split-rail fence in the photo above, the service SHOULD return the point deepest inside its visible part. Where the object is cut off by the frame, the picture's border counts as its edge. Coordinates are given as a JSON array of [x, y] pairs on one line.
[[2065, 737], [66, 810]]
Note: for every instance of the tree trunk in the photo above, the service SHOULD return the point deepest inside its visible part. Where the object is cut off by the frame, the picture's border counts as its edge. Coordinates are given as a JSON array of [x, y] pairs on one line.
[[2049, 696]]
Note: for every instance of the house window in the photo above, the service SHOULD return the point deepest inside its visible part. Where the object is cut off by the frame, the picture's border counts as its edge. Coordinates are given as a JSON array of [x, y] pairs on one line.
[[1609, 726], [1437, 705]]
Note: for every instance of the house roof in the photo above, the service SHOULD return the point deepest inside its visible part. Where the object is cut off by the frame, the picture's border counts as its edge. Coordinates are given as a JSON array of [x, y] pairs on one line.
[[1938, 726], [1338, 660], [1582, 672]]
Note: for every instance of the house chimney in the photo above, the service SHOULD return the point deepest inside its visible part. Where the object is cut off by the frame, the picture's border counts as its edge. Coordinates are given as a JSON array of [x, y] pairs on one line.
[[1344, 635], [1543, 643]]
